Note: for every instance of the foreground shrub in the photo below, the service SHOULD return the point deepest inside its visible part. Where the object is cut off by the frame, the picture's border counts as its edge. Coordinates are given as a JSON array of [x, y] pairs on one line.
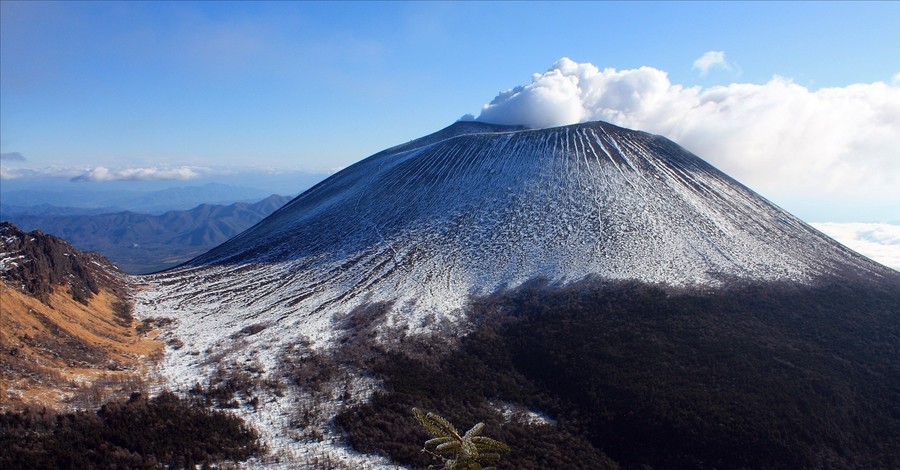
[[459, 452]]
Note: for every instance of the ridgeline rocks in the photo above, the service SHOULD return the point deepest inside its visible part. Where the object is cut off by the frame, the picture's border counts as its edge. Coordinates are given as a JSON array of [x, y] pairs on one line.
[[37, 263]]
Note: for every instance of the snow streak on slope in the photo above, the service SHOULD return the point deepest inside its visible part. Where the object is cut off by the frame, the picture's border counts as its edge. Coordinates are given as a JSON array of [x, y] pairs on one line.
[[476, 207]]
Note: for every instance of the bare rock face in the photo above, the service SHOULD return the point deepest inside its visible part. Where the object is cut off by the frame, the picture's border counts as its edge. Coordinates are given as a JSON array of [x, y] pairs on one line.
[[36, 262]]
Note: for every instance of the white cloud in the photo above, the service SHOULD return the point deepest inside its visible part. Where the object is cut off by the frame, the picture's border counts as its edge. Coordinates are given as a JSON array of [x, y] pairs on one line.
[[7, 173], [102, 173], [881, 242], [710, 60], [178, 173], [778, 137]]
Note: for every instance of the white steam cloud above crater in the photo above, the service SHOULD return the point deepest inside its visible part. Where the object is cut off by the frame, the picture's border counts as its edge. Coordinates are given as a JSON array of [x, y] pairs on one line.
[[778, 137]]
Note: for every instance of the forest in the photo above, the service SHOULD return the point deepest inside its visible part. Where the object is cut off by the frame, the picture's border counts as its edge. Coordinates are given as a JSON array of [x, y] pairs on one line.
[[643, 376], [138, 433]]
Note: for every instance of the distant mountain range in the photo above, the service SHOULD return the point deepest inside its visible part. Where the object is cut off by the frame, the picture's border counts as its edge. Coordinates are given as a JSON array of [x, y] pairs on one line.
[[140, 242], [115, 200]]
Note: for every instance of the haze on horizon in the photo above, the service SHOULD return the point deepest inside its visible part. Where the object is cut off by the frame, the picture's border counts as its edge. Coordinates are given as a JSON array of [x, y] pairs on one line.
[[800, 101]]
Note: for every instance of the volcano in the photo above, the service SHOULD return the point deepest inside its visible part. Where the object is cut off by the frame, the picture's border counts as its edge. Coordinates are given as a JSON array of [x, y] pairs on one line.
[[417, 231], [476, 207]]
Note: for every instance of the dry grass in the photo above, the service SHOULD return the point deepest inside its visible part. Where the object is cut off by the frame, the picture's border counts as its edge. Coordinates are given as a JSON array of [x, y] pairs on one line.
[[66, 354]]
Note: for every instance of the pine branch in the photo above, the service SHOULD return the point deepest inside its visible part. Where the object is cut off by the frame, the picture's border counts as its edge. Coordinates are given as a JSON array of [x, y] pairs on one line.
[[462, 452]]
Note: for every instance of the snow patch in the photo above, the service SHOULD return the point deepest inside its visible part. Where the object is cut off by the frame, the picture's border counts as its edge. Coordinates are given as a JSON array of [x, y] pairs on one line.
[[519, 414]]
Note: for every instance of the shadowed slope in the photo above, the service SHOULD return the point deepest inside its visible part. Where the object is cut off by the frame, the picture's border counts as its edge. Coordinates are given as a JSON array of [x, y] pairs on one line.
[[756, 376]]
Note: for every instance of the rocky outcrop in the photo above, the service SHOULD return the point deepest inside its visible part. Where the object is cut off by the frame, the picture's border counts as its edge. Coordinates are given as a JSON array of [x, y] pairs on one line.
[[36, 263]]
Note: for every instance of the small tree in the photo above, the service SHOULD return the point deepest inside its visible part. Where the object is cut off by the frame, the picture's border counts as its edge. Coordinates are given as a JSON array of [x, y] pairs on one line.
[[466, 452]]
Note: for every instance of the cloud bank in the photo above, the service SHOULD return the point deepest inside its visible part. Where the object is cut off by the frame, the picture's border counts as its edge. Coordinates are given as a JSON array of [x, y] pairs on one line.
[[97, 174], [102, 173], [8, 173], [880, 242], [153, 173], [777, 137]]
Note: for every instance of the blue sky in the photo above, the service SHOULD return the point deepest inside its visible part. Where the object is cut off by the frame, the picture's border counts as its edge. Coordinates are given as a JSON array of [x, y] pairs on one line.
[[178, 89]]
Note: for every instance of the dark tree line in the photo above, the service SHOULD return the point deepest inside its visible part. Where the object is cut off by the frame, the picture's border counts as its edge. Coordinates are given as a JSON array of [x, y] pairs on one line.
[[162, 432]]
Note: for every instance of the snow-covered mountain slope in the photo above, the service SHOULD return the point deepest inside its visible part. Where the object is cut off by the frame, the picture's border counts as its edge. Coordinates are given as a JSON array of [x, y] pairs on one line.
[[428, 223], [471, 209]]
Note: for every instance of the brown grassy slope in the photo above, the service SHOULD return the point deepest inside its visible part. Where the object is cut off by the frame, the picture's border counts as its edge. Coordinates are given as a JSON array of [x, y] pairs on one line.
[[67, 338], [67, 353]]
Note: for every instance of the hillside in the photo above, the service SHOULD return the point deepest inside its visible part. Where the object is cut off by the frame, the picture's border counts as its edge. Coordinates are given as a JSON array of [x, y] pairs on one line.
[[67, 336]]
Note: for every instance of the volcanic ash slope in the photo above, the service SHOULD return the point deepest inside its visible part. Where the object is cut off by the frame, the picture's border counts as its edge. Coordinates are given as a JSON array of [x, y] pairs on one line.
[[428, 223]]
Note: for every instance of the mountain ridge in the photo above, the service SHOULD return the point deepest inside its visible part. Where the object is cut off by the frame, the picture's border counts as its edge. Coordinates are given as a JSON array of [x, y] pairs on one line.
[[38, 263], [144, 201]]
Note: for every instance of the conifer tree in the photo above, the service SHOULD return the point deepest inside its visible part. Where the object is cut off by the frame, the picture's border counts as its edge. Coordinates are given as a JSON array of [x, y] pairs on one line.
[[466, 452]]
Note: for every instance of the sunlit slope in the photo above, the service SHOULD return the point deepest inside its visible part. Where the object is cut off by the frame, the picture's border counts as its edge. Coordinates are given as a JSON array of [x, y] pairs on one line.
[[71, 353], [67, 336]]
